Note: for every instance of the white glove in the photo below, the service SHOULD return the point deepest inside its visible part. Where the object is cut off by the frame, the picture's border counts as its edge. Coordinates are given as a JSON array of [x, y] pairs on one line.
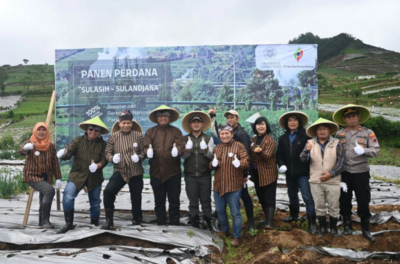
[[215, 161], [344, 186], [93, 167], [283, 169], [58, 184], [189, 144], [150, 152], [117, 158], [358, 149], [135, 158], [174, 151], [236, 162], [244, 184], [28, 146], [61, 153], [203, 144]]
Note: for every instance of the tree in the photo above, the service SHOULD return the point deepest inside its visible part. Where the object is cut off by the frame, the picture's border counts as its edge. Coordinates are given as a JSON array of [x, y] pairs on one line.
[[185, 94], [305, 97], [3, 77], [225, 95], [308, 78], [25, 61], [272, 101], [26, 81], [286, 99]]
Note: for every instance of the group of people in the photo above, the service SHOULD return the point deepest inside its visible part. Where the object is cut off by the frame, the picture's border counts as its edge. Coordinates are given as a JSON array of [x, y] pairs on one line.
[[325, 169]]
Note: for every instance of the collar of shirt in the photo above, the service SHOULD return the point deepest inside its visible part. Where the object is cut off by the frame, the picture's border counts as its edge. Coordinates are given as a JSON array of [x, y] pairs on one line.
[[292, 136], [229, 143]]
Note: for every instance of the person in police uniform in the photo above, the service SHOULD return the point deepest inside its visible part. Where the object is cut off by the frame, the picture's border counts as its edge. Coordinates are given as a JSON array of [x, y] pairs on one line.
[[359, 144]]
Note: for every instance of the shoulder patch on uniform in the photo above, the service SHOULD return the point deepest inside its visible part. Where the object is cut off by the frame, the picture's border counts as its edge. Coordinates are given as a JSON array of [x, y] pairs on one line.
[[373, 137], [342, 134]]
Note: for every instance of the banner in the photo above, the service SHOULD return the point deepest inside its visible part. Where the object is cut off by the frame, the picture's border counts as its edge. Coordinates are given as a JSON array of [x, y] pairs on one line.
[[269, 79]]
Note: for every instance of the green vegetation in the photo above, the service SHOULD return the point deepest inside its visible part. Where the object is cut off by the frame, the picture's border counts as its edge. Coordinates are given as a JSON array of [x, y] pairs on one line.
[[332, 72], [11, 184]]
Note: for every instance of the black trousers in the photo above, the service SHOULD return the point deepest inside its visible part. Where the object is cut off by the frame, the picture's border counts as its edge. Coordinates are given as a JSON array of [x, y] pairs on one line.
[[116, 183], [359, 183], [172, 188], [199, 188], [266, 194]]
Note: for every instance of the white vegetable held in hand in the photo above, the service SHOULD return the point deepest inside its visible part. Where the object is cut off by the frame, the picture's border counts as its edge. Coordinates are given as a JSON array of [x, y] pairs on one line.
[[135, 158], [283, 169], [236, 162], [244, 184], [215, 161], [203, 144], [358, 149], [117, 158], [344, 186], [93, 167], [189, 144], [174, 151], [58, 184], [28, 146], [61, 153], [150, 152]]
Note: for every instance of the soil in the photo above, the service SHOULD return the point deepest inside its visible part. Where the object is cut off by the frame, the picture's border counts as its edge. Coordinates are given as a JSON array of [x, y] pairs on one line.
[[280, 245]]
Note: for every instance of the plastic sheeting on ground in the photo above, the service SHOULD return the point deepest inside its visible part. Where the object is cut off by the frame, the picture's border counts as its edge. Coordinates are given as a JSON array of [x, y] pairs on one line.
[[353, 255], [382, 217], [108, 254]]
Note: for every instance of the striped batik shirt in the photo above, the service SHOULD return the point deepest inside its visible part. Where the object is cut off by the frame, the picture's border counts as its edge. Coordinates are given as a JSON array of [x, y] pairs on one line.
[[228, 178], [45, 162], [264, 161], [84, 151], [126, 144]]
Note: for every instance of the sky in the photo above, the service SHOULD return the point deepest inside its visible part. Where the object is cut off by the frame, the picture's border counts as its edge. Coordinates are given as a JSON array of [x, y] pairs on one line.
[[33, 30]]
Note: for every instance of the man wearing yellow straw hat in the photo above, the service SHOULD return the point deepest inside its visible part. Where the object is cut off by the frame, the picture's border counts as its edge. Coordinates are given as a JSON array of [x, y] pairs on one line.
[[197, 156], [164, 145], [359, 143], [325, 154], [87, 170], [125, 150]]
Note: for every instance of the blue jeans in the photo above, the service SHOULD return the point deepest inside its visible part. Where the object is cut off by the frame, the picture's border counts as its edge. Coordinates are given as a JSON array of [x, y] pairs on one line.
[[294, 184], [70, 192], [233, 200]]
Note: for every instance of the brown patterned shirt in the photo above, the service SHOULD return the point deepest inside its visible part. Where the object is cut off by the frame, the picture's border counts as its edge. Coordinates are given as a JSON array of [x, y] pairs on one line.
[[228, 178], [46, 162]]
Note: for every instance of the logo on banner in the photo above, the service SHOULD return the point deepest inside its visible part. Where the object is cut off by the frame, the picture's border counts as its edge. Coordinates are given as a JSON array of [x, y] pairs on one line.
[[298, 54], [270, 53]]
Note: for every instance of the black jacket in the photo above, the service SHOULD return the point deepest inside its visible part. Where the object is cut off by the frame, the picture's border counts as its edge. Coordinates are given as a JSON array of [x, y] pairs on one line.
[[289, 154]]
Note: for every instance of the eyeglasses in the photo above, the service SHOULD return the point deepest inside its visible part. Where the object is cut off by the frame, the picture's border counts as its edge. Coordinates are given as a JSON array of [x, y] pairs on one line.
[[96, 129]]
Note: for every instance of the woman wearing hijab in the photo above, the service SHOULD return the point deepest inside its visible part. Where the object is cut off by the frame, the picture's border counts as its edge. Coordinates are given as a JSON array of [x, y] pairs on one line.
[[264, 173], [41, 165]]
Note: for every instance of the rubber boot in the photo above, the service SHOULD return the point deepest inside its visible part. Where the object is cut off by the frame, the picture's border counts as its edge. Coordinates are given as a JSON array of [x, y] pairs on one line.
[[365, 230], [294, 214], [250, 219], [109, 219], [322, 225], [161, 221], [46, 208], [264, 221], [174, 220], [208, 223], [40, 209], [137, 220], [195, 221], [94, 221], [333, 223], [69, 221], [269, 217], [312, 227], [347, 224]]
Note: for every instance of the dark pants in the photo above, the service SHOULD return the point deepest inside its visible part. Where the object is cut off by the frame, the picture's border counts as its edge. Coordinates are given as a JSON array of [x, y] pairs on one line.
[[46, 191], [266, 194], [172, 188], [247, 201], [300, 182], [116, 183], [199, 188], [359, 182]]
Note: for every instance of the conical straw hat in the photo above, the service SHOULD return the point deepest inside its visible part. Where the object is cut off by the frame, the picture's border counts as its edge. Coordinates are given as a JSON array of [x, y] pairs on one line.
[[312, 132], [135, 127], [364, 112], [186, 120], [301, 115], [174, 114], [97, 122]]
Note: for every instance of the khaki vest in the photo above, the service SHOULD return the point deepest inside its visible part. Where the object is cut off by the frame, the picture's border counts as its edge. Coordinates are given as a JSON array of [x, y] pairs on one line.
[[319, 165]]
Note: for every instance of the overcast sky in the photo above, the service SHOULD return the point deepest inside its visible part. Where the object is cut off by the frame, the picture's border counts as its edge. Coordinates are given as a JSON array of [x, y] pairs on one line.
[[33, 29]]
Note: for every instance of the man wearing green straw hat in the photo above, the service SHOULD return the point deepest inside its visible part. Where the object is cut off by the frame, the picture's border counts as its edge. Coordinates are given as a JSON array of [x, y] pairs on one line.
[[325, 154], [359, 143], [164, 145], [87, 170]]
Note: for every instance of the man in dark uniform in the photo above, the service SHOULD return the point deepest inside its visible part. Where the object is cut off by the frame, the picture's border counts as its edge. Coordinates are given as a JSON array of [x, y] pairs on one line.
[[359, 144]]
